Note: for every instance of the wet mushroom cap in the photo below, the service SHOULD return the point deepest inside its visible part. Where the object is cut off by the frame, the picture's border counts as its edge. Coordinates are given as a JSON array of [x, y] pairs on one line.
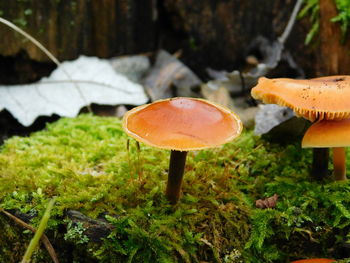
[[318, 98], [182, 124], [314, 260], [327, 134]]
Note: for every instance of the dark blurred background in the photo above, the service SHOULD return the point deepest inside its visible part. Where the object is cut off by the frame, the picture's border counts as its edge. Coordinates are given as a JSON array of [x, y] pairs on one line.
[[216, 34], [222, 35]]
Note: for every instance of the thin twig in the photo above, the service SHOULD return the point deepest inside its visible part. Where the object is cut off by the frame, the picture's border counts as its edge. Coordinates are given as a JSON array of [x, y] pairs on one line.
[[32, 39], [33, 244], [44, 238], [291, 22]]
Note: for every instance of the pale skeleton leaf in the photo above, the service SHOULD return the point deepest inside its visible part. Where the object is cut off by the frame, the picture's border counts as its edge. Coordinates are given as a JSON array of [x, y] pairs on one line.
[[73, 85]]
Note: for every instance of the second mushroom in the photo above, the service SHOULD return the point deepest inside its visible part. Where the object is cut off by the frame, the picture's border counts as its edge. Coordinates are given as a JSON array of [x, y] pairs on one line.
[[330, 134], [325, 98]]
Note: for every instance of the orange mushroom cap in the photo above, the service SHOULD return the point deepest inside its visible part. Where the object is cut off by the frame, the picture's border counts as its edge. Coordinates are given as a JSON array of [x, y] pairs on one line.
[[314, 260], [182, 124], [327, 134], [319, 98]]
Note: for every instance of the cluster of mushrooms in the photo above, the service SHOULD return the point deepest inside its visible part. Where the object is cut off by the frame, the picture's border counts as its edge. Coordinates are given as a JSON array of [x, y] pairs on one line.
[[324, 102], [188, 124]]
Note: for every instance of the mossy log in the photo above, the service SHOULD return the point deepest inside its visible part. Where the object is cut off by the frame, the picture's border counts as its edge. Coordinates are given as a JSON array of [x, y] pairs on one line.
[[102, 28], [111, 205]]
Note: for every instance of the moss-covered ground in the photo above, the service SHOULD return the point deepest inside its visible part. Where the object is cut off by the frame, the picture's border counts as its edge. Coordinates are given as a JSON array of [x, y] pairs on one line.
[[89, 165]]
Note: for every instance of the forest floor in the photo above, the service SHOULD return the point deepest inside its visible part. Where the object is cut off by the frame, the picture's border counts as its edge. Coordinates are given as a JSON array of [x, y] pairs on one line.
[[117, 191]]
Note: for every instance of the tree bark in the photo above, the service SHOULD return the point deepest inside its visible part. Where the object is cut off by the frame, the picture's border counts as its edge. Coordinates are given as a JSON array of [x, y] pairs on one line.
[[102, 28], [334, 58], [221, 34], [217, 34]]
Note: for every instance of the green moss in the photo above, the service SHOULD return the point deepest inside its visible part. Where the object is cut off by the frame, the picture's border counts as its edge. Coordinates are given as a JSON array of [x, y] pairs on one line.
[[343, 16], [28, 12], [75, 233], [21, 22], [85, 162], [312, 9]]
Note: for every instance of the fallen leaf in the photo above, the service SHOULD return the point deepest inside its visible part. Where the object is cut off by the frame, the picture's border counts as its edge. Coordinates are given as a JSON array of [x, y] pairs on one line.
[[222, 96], [73, 85], [133, 67], [270, 116], [269, 202], [167, 72]]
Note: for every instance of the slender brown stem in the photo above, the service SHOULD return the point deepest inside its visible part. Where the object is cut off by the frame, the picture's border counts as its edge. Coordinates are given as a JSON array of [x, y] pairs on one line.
[[339, 163], [176, 172], [320, 159]]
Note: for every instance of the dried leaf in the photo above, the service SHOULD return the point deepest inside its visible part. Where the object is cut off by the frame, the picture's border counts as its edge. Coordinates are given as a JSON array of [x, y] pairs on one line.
[[133, 67], [270, 116], [167, 72], [220, 96], [70, 87], [269, 202]]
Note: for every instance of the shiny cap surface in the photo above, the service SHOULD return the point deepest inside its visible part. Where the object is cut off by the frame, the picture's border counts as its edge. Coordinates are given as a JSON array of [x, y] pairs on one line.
[[182, 124]]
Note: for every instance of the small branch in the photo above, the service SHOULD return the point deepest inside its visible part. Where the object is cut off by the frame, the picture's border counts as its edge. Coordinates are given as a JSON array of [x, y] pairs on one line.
[[291, 22], [44, 238], [32, 39], [39, 232]]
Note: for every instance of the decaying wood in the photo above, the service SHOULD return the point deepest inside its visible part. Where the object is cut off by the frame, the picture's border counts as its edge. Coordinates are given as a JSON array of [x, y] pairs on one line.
[[334, 58], [68, 28], [169, 72], [222, 31], [95, 229]]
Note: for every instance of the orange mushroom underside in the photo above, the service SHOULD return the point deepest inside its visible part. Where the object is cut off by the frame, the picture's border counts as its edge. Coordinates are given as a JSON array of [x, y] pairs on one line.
[[328, 134], [318, 98], [182, 124]]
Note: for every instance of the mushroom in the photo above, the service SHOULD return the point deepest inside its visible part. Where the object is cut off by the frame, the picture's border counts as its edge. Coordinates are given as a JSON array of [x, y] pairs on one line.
[[314, 260], [313, 99], [181, 125], [332, 134]]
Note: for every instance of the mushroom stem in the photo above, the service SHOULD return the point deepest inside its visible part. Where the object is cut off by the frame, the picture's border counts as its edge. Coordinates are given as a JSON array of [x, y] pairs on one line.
[[320, 159], [176, 171], [339, 163]]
